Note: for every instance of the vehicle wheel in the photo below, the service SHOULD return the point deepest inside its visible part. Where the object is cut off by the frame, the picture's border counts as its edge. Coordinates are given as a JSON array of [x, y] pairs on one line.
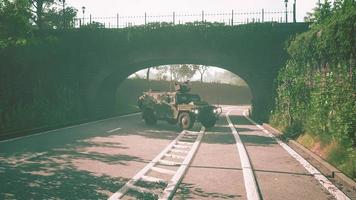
[[209, 123], [186, 121], [149, 117]]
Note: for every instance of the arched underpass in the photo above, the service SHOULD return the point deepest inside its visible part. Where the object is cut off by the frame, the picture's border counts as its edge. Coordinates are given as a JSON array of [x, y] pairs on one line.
[[219, 86]]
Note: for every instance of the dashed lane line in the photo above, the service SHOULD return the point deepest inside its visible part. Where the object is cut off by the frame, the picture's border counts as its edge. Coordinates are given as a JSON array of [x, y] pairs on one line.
[[113, 130], [249, 177], [330, 187]]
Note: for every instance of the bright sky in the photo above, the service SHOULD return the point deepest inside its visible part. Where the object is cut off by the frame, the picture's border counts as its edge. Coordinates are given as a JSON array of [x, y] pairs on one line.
[[107, 8]]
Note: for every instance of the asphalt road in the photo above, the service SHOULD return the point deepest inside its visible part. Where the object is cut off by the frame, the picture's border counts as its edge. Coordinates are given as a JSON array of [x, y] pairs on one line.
[[94, 160]]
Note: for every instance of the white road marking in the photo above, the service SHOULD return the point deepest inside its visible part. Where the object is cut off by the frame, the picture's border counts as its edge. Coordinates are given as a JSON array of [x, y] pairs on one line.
[[124, 189], [185, 143], [68, 127], [177, 146], [113, 130], [249, 178], [177, 175], [153, 179], [330, 187], [163, 171], [179, 151], [168, 162], [174, 156], [177, 178]]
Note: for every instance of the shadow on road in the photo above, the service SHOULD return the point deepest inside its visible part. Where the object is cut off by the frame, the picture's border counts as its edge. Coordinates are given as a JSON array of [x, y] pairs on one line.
[[257, 140], [53, 175]]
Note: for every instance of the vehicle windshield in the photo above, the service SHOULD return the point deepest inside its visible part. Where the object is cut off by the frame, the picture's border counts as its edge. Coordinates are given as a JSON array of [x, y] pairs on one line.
[[187, 98]]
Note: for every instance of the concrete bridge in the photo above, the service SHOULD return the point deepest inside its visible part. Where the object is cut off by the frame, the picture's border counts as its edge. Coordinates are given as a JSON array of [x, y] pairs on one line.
[[98, 60]]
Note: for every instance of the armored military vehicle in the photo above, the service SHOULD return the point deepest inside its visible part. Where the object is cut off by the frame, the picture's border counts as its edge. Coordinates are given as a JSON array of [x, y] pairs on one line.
[[180, 107]]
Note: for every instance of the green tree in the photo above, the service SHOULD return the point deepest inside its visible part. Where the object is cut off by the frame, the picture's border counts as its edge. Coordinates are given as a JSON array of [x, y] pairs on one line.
[[14, 22], [321, 13], [38, 10], [58, 18], [201, 69], [49, 14]]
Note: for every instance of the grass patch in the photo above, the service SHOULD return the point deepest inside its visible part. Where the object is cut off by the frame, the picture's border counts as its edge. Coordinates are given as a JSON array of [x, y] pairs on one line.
[[306, 140], [334, 152]]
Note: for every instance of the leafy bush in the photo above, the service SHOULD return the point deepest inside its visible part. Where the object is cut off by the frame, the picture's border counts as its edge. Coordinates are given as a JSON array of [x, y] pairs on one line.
[[316, 88]]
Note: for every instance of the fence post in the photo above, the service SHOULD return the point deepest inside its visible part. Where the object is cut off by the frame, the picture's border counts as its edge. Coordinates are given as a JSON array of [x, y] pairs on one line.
[[263, 15], [286, 4], [174, 18], [232, 18], [90, 19], [145, 19], [80, 22], [294, 12], [117, 20], [202, 16]]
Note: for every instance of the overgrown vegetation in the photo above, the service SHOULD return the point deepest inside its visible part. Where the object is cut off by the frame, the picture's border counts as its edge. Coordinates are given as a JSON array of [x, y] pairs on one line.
[[316, 99]]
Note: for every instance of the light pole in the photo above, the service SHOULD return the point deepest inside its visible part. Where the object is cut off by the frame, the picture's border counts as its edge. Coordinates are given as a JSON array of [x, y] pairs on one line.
[[83, 9], [286, 3]]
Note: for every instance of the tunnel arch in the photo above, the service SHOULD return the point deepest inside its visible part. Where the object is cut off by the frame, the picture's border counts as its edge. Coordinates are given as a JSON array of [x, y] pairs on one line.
[[220, 86], [112, 79]]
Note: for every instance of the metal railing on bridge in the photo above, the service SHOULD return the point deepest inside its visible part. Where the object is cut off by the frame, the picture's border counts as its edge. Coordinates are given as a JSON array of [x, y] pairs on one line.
[[224, 18]]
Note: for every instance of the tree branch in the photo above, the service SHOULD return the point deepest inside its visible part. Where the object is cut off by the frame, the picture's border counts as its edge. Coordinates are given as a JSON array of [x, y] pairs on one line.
[[34, 5]]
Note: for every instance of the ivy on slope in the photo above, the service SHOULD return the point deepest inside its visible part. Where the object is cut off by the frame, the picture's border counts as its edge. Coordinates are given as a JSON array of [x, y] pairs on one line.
[[316, 88]]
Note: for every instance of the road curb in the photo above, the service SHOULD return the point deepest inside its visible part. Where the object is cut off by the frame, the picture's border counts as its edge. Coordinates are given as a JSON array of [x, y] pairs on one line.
[[345, 183]]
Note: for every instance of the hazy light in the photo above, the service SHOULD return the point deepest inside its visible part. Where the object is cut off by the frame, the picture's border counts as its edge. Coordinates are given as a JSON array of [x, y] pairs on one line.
[[213, 74], [106, 8]]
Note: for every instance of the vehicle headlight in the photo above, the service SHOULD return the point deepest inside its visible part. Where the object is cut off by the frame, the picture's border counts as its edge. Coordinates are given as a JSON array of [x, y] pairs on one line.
[[195, 111], [217, 110]]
